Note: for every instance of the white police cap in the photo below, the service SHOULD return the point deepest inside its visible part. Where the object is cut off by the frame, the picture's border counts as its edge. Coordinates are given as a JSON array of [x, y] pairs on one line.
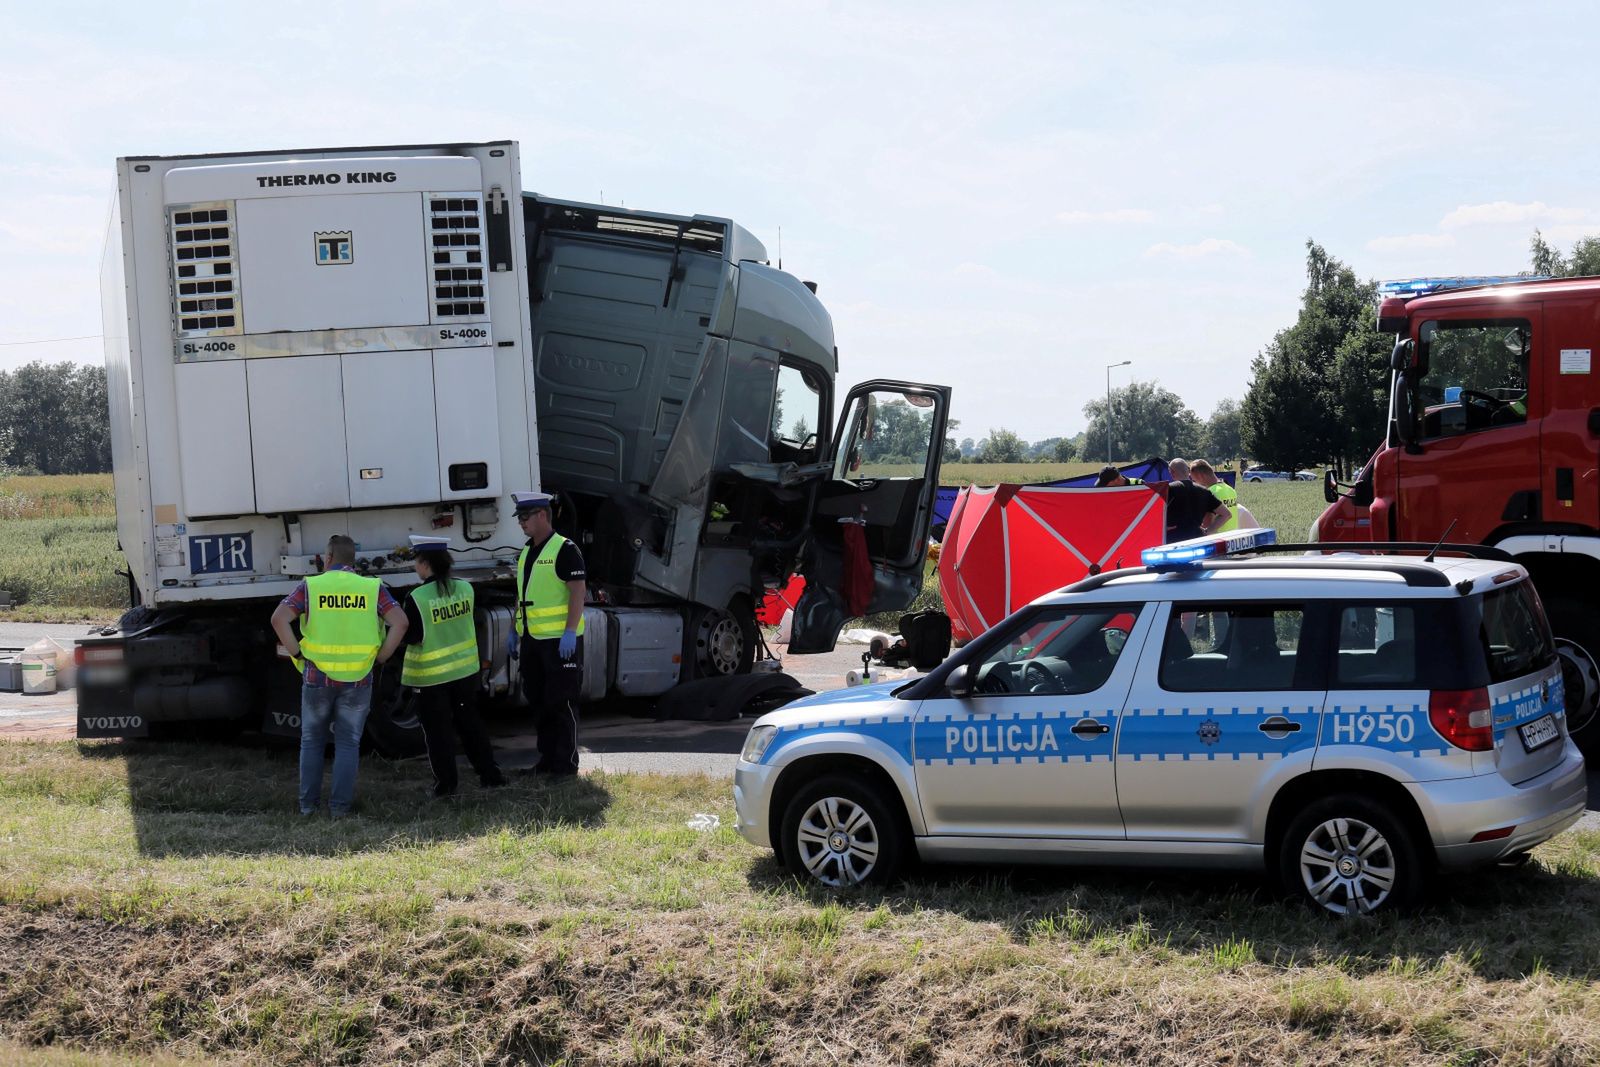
[[529, 501], [430, 543]]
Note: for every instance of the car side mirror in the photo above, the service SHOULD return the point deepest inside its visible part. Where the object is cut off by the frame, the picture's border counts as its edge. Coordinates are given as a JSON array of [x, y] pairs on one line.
[[959, 682], [1330, 491]]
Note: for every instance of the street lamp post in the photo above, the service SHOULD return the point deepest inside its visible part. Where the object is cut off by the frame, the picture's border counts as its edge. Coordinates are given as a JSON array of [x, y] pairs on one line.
[[1109, 368]]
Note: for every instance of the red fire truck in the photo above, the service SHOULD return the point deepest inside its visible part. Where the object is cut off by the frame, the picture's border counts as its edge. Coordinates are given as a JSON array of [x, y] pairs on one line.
[[1494, 439]]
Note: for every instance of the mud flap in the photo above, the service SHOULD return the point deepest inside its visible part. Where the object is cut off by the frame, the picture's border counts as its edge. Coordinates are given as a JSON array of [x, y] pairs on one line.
[[281, 723], [92, 724], [725, 698]]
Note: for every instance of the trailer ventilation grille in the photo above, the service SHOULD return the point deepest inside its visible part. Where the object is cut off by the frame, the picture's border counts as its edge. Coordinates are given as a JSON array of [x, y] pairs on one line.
[[455, 228], [205, 280]]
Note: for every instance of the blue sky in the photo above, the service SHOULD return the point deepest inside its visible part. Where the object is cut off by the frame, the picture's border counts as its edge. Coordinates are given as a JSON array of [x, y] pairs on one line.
[[1003, 197]]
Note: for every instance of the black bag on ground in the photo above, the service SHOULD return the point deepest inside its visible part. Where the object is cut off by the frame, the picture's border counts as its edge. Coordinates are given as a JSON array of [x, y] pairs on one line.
[[927, 635]]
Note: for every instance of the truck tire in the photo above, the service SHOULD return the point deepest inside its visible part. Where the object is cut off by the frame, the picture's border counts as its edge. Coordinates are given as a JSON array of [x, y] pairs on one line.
[[1577, 633], [1347, 855], [842, 831], [136, 618], [721, 643]]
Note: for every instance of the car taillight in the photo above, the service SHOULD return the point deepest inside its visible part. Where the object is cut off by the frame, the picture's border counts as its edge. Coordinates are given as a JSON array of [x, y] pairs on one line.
[[1463, 718], [96, 654]]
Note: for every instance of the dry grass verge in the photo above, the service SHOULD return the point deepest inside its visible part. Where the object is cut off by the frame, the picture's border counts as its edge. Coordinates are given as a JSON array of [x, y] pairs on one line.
[[166, 900]]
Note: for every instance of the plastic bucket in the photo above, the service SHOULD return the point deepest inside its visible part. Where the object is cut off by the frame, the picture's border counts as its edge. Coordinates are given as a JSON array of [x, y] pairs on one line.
[[38, 671]]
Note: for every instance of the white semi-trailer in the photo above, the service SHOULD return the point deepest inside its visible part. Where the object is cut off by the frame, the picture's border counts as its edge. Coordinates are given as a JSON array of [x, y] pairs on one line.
[[385, 341]]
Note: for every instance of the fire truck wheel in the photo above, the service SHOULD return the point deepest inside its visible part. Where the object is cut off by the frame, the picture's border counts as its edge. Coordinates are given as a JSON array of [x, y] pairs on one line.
[[1578, 645]]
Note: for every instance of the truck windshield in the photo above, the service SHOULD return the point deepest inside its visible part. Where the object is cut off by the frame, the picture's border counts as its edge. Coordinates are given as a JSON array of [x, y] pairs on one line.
[[1477, 375]]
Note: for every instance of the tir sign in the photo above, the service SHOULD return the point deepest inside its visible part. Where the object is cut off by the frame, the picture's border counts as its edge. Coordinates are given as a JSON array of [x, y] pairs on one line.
[[335, 249]]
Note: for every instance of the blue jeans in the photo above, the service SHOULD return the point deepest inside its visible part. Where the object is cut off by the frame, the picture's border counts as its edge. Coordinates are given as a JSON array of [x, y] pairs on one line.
[[346, 707]]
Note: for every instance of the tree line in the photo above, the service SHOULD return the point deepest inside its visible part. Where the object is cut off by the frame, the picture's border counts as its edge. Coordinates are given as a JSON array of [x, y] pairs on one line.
[[1146, 420], [54, 419]]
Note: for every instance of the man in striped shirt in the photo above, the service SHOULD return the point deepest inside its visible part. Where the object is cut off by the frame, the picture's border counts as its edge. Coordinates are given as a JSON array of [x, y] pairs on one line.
[[338, 667]]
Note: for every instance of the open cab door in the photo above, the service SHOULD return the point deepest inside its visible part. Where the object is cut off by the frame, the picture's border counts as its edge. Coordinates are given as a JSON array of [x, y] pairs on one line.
[[873, 510]]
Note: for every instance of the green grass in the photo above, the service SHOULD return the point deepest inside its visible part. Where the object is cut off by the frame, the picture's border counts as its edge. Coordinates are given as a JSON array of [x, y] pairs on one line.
[[58, 549], [66, 564], [166, 901]]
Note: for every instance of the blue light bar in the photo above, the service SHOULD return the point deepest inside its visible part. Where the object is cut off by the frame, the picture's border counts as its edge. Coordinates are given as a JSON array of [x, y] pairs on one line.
[[1185, 555], [1424, 286]]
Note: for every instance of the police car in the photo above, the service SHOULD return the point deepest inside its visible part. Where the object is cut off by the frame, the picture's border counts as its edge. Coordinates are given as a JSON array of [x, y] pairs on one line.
[[1350, 723]]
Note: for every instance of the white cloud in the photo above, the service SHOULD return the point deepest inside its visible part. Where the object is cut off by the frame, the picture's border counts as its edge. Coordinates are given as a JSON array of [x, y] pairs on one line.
[[1114, 216], [1211, 246], [1564, 235], [1411, 242], [1502, 212]]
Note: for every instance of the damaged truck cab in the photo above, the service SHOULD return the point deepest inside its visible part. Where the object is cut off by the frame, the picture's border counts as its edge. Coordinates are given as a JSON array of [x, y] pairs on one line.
[[377, 342]]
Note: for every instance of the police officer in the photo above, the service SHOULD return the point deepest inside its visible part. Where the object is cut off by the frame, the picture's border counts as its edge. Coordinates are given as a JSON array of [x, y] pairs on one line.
[[441, 668], [342, 616], [1206, 477], [549, 633], [1111, 478]]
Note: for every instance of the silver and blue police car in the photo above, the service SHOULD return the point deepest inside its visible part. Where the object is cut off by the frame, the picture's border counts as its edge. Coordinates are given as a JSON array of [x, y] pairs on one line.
[[1350, 723]]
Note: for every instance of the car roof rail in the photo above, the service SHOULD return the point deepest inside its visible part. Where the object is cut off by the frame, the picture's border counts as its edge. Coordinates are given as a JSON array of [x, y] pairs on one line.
[[1431, 547], [1416, 575]]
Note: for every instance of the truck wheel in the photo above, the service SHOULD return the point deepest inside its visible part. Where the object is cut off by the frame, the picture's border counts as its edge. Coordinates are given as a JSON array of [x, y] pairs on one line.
[[843, 832], [1577, 645], [393, 728], [722, 643], [1346, 855]]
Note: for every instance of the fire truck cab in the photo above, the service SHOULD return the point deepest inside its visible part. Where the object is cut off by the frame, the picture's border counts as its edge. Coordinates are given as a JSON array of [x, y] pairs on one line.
[[1494, 438]]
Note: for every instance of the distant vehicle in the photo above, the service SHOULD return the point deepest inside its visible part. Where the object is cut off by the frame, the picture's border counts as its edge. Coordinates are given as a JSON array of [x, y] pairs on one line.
[[1349, 724], [1261, 474]]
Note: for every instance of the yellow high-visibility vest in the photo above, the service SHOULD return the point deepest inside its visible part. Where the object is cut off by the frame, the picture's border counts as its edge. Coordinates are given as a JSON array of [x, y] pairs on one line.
[[341, 632], [1225, 493], [543, 599], [449, 646]]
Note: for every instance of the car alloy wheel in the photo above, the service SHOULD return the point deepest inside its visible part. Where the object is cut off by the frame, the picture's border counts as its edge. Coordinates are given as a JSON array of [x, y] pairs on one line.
[[838, 842], [1347, 866], [1350, 854], [844, 831]]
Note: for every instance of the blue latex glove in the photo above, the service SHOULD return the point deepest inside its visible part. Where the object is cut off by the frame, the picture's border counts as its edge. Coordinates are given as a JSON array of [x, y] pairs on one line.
[[513, 640], [569, 645]]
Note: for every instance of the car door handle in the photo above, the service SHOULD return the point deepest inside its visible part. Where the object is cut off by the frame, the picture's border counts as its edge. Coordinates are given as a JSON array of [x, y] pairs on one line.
[[1278, 725], [1090, 728]]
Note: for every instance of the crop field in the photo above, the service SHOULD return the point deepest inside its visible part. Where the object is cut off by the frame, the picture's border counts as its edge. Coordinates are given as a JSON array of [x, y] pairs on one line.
[[168, 901], [58, 548]]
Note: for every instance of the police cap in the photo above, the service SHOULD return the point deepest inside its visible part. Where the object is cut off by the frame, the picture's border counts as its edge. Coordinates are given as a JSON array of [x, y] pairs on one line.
[[527, 502]]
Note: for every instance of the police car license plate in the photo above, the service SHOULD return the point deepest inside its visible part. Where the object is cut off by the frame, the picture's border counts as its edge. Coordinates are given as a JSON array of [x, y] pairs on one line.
[[1539, 732]]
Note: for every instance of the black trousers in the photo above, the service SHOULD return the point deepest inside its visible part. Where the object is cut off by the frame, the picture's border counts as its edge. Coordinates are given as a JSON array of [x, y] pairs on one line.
[[446, 710], [552, 685]]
